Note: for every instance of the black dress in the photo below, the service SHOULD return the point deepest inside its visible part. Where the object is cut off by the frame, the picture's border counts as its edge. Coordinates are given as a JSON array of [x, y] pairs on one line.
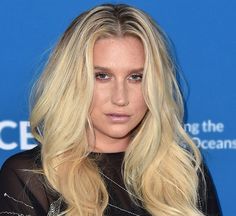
[[23, 193]]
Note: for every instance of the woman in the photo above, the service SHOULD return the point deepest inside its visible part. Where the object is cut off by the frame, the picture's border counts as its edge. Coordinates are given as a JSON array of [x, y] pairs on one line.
[[107, 113]]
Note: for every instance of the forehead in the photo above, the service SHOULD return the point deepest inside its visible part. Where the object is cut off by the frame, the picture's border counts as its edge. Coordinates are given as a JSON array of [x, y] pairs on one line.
[[126, 52]]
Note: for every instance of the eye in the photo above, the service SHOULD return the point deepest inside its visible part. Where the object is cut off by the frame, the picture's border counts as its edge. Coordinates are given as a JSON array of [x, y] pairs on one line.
[[102, 76], [136, 77]]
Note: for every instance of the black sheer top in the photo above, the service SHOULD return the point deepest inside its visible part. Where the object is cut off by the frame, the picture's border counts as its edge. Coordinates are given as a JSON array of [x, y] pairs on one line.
[[23, 193]]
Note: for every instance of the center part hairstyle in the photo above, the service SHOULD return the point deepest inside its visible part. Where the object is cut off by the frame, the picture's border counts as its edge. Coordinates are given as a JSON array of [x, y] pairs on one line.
[[161, 162]]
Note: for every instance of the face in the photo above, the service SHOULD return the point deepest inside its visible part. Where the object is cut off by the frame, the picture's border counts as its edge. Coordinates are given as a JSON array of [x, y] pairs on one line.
[[118, 105]]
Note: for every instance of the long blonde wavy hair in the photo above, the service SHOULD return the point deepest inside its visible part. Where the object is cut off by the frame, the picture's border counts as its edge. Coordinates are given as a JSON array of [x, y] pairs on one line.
[[161, 162]]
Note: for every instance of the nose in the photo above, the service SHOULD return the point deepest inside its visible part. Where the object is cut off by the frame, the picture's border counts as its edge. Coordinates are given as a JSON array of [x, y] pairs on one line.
[[119, 95]]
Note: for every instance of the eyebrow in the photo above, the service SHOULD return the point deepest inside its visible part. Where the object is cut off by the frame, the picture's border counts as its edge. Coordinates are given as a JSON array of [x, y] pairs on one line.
[[137, 70]]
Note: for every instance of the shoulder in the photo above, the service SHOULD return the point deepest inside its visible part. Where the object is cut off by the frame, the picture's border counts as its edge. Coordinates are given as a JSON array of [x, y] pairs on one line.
[[208, 198], [22, 187], [29, 159], [20, 170]]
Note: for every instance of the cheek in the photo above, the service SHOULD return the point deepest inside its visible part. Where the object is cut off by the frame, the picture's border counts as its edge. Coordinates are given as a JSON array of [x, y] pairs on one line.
[[100, 96], [138, 101], [142, 106]]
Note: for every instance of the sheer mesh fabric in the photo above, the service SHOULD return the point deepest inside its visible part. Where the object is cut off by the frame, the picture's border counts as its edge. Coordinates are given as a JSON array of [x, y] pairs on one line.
[[24, 193]]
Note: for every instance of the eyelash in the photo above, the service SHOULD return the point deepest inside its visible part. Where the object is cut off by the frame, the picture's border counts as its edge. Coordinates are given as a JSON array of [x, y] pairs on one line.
[[99, 75], [136, 77]]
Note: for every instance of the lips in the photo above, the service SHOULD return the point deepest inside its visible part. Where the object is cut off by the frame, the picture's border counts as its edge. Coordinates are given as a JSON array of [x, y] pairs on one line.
[[118, 117]]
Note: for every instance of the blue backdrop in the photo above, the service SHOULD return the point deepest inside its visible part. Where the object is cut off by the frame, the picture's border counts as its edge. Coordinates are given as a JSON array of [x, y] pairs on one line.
[[204, 34]]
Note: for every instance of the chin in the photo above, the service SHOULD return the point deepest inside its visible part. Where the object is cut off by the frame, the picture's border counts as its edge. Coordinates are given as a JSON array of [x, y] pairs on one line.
[[119, 134]]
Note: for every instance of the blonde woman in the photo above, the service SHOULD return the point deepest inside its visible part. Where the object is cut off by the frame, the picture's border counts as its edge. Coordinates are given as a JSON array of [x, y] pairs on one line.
[[107, 113]]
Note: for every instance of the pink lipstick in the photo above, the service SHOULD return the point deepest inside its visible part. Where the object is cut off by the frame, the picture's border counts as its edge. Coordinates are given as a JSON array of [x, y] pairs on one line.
[[117, 117]]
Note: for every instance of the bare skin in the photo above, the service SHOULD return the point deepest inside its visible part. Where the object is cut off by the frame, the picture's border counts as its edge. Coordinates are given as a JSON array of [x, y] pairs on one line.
[[118, 105]]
